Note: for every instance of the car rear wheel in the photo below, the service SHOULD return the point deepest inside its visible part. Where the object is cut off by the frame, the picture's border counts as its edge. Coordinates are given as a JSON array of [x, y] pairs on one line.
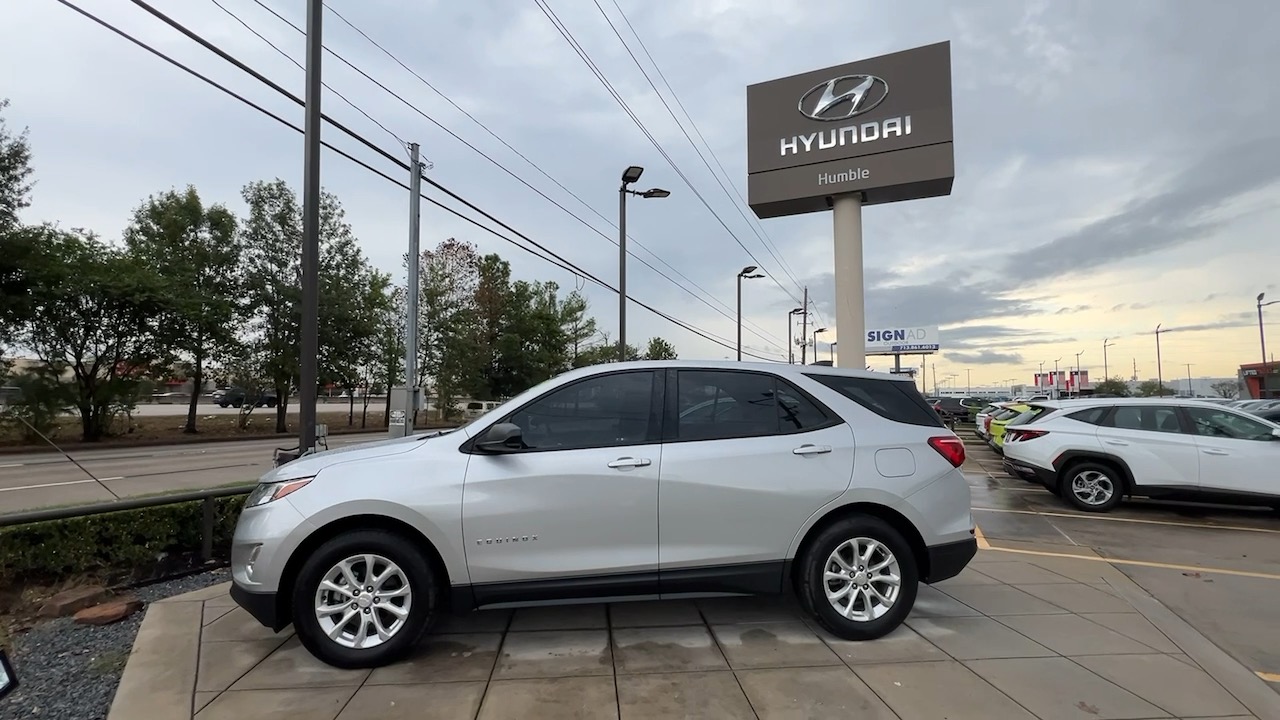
[[1093, 487], [859, 579], [363, 599]]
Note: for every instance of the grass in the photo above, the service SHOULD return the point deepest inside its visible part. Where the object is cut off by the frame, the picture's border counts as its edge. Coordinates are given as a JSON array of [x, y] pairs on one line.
[[167, 429]]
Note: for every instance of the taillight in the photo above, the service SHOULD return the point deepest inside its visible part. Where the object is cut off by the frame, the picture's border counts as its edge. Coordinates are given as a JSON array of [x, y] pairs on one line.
[[1021, 435], [949, 447], [986, 423]]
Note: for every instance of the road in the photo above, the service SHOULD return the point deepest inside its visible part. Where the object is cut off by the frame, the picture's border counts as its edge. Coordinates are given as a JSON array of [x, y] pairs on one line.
[[207, 407], [1217, 567], [48, 479]]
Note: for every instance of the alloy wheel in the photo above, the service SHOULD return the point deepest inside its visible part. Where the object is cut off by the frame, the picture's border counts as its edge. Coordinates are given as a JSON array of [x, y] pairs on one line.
[[1092, 488], [862, 579], [363, 601]]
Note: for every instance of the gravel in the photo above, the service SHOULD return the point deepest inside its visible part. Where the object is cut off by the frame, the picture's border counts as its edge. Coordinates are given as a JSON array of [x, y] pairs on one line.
[[69, 671]]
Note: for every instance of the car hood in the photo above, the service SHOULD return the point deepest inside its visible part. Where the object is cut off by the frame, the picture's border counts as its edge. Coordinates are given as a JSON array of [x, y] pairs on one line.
[[311, 464]]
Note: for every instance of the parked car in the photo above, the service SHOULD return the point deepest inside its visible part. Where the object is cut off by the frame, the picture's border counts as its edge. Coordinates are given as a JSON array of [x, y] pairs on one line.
[[841, 486], [1094, 452], [950, 408], [980, 420], [236, 397], [997, 421]]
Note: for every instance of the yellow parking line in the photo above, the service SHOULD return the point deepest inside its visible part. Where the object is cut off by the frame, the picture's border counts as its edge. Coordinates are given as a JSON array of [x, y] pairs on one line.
[[1137, 563], [1269, 677], [1143, 521], [982, 539]]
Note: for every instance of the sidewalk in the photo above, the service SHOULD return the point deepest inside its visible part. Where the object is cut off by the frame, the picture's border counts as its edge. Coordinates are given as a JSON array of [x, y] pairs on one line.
[[1018, 635]]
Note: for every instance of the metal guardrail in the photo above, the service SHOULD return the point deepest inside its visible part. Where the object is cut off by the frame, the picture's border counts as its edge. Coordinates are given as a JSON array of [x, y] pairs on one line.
[[206, 497]]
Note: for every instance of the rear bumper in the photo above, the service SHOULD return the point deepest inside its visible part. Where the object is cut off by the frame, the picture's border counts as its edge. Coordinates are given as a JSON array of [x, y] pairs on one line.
[[262, 606], [1027, 471], [946, 561]]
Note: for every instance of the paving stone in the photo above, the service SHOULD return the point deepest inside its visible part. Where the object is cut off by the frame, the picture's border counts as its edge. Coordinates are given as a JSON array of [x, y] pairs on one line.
[[239, 625], [736, 611], [932, 602], [157, 680], [1016, 572], [1073, 635], [555, 653], [1168, 683], [773, 645], [666, 649], [654, 613], [1059, 689], [1090, 572], [805, 693], [901, 645], [565, 698], [223, 663], [292, 666], [944, 689], [443, 658], [322, 703], [1133, 625], [560, 617], [1079, 598], [439, 701], [1002, 600], [479, 621], [214, 612], [202, 699], [968, 576], [689, 695], [967, 638], [213, 592]]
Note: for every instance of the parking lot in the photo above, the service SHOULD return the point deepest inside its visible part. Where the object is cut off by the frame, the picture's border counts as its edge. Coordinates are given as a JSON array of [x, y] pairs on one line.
[[1216, 566]]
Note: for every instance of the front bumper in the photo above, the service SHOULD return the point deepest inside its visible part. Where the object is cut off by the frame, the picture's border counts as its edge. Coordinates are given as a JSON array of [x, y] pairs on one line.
[[264, 607], [947, 560]]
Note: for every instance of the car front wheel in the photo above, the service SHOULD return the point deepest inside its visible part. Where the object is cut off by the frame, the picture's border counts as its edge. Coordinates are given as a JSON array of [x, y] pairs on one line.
[[1093, 487], [859, 578], [363, 599]]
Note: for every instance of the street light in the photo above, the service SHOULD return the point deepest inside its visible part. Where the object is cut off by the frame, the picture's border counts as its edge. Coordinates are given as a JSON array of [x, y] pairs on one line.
[[749, 273], [1106, 343], [629, 177], [815, 344], [1262, 335], [1159, 366], [832, 349], [1077, 383], [791, 347], [1055, 379]]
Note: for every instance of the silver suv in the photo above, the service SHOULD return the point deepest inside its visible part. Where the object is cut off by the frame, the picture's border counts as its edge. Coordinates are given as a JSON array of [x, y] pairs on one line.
[[626, 481]]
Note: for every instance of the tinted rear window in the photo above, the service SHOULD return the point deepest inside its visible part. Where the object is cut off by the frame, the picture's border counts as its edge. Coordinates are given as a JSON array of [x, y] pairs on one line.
[[890, 399], [1093, 416], [1032, 415]]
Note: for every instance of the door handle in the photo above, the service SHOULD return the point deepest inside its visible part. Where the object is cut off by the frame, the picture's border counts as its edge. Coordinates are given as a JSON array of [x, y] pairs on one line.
[[1116, 442], [1215, 451], [629, 462], [812, 449]]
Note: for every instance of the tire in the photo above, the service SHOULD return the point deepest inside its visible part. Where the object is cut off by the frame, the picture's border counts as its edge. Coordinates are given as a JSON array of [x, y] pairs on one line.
[[350, 549], [1107, 487], [813, 588]]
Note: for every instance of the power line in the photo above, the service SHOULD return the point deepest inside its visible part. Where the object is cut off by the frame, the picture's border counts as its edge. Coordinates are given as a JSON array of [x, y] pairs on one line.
[[505, 169], [586, 58], [550, 256]]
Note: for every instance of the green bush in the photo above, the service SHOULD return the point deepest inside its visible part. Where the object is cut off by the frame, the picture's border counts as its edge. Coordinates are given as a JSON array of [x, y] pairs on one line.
[[128, 540]]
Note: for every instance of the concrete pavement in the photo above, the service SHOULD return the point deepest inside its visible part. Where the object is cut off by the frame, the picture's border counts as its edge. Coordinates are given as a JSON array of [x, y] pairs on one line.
[[45, 479], [1018, 636]]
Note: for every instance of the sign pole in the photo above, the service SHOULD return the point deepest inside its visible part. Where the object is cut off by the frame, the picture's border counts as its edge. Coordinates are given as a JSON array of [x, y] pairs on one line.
[[851, 321]]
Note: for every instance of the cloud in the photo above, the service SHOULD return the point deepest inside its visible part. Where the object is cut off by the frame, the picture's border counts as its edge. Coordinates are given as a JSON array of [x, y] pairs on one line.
[[1073, 309], [934, 303], [985, 357]]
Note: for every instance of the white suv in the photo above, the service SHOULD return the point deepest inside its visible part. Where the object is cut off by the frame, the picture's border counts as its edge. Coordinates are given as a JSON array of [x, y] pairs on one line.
[[1094, 452], [622, 481]]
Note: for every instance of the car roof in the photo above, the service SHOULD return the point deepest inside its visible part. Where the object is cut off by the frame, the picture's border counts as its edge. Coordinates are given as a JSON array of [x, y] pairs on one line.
[[778, 368], [1087, 402]]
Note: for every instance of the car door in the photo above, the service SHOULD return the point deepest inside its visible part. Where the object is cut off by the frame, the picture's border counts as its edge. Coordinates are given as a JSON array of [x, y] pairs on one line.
[[579, 501], [1150, 439], [1238, 453], [747, 458]]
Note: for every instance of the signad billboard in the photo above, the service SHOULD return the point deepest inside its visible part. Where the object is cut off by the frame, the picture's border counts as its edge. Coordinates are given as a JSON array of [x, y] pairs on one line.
[[880, 126], [902, 341]]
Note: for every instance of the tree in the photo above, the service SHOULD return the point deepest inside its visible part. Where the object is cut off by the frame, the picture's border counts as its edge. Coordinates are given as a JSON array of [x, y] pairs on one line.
[[15, 174], [1226, 388], [94, 312], [195, 254], [579, 327], [1112, 386], [659, 349], [1151, 388], [16, 244], [446, 334], [389, 354]]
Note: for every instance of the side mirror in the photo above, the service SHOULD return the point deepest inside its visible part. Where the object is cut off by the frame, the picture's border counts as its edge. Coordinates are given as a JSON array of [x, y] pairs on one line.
[[501, 438]]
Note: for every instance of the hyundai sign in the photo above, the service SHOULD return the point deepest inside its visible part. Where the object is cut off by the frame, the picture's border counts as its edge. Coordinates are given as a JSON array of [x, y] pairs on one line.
[[881, 127], [902, 341]]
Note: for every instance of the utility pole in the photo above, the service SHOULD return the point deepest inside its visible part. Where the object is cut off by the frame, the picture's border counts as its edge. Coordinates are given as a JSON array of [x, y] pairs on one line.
[[622, 270], [310, 328], [1189, 392], [411, 322], [1159, 365], [804, 329], [1105, 344], [968, 381]]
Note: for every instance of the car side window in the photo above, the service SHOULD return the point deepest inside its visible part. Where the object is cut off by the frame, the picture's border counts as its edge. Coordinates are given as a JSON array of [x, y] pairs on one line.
[[603, 411], [720, 405], [1146, 417], [1093, 416], [1223, 424]]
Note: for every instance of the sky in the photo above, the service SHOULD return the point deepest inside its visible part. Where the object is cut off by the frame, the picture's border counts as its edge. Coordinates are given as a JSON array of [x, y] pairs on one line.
[[1117, 164]]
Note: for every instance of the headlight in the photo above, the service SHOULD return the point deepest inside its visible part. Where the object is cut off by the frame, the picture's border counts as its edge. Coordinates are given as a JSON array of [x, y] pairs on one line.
[[266, 492]]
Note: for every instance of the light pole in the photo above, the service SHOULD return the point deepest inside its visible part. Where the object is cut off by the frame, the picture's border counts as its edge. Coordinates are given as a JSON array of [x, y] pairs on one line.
[[1106, 344], [815, 344], [1262, 335], [1039, 378], [1055, 379], [1159, 366], [968, 381], [748, 272], [629, 176], [1077, 383], [1011, 381], [832, 349], [791, 346], [1189, 393]]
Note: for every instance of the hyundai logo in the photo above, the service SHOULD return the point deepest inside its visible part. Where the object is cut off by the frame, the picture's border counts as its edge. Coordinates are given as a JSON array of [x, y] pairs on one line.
[[861, 94]]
